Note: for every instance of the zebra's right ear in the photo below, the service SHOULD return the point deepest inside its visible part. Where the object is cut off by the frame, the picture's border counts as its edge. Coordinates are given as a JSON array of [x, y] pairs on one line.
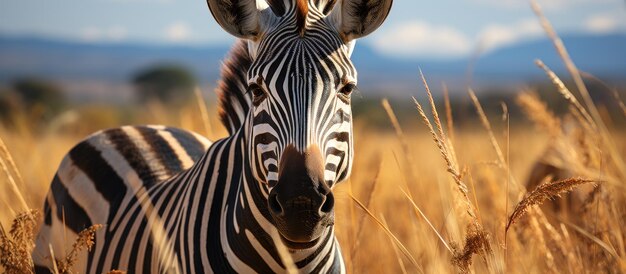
[[357, 18], [241, 18]]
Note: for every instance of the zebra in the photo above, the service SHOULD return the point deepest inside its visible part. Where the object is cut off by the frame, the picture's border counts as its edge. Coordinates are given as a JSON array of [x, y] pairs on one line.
[[172, 201]]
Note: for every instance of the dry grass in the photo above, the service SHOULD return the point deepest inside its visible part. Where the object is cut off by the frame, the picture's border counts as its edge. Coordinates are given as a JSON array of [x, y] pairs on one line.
[[451, 216], [17, 245]]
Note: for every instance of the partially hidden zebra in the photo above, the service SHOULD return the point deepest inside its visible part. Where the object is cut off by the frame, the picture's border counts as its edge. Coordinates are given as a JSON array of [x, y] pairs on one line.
[[171, 201]]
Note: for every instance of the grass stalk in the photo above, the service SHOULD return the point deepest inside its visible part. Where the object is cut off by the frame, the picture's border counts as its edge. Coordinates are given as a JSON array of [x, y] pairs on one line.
[[400, 133], [449, 116], [204, 113], [12, 183], [402, 248], [283, 252], [423, 216], [394, 247]]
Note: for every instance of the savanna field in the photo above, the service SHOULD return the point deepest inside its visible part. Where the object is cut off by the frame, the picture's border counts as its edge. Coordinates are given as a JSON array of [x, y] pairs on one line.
[[419, 217], [531, 191]]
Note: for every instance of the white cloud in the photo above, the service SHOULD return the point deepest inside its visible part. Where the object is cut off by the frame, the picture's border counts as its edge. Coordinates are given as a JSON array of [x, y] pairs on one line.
[[116, 33], [424, 39], [497, 35], [178, 32], [601, 23], [91, 34], [110, 34]]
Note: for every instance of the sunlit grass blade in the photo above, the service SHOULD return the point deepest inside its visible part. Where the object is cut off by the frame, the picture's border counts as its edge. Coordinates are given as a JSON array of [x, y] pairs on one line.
[[403, 249], [423, 216]]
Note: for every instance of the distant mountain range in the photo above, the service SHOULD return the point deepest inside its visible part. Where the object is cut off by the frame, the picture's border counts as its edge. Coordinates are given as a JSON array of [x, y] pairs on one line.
[[67, 61]]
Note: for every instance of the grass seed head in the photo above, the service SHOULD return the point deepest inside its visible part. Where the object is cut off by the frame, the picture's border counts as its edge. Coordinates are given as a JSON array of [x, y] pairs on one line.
[[85, 240], [542, 193], [476, 242], [16, 247]]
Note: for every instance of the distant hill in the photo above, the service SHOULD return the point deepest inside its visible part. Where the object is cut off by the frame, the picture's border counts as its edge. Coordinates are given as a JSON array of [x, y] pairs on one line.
[[602, 55], [70, 60]]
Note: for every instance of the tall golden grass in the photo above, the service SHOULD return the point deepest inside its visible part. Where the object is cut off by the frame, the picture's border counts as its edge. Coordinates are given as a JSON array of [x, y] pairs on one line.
[[423, 198], [421, 201]]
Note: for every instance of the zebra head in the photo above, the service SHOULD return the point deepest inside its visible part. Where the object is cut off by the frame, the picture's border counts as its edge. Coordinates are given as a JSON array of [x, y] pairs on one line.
[[299, 126]]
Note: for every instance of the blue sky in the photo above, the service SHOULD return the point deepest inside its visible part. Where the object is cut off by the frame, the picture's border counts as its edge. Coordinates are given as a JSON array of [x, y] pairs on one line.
[[442, 28]]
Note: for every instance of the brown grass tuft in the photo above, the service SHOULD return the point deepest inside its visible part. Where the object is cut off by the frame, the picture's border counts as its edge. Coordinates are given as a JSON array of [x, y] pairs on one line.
[[476, 242], [542, 193], [16, 246], [85, 240]]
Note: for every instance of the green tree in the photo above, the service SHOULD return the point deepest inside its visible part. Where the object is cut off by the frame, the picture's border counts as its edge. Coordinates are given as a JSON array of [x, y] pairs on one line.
[[35, 92], [30, 103], [168, 84], [39, 98]]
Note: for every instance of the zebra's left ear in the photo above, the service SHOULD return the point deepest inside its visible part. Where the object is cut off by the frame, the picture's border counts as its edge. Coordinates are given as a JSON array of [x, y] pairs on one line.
[[358, 18]]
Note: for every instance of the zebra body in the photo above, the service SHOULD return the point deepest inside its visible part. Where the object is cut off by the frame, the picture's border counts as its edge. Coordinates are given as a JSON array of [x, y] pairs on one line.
[[100, 182], [173, 202]]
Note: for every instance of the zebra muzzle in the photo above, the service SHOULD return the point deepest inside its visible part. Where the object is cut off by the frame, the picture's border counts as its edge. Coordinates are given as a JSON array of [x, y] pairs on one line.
[[301, 205]]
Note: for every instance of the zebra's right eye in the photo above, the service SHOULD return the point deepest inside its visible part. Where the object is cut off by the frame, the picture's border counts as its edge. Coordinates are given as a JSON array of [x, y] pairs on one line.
[[258, 94], [347, 89]]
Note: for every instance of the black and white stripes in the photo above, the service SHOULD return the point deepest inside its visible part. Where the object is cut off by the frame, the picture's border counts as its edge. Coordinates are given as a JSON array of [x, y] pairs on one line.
[[173, 202], [101, 178]]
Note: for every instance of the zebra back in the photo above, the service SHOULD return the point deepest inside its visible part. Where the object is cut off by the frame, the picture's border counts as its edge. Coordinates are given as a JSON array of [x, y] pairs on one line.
[[234, 102]]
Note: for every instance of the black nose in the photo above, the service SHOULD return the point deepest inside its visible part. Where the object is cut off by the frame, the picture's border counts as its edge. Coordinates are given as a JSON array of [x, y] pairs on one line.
[[300, 216], [313, 202], [301, 187]]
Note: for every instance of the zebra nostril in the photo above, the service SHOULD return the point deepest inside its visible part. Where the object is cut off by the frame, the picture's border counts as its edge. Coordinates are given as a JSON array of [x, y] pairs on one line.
[[329, 204], [274, 205]]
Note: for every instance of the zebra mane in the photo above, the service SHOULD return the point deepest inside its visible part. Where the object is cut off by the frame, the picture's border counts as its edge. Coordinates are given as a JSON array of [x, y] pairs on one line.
[[302, 11], [231, 89]]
